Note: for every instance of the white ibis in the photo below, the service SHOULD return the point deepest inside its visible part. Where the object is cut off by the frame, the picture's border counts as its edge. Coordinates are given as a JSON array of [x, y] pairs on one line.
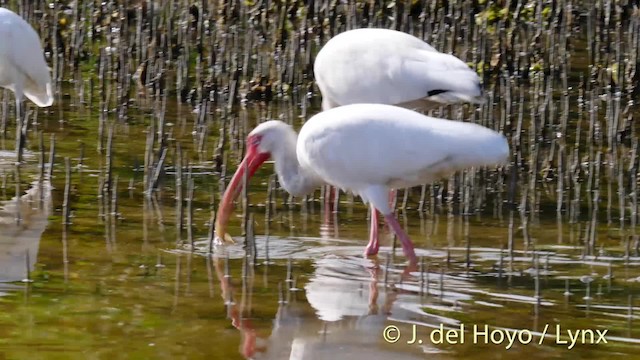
[[366, 149], [23, 68], [390, 67], [386, 66]]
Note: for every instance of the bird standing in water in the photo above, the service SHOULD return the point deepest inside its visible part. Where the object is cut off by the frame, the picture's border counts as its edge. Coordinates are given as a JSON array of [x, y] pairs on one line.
[[390, 67], [366, 149]]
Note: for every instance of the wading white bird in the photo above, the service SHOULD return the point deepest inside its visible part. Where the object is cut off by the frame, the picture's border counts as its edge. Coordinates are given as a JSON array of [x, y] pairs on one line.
[[366, 149], [386, 66], [391, 67], [23, 68]]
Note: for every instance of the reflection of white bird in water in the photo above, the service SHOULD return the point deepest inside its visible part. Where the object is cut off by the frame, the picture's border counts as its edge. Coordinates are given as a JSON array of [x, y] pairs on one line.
[[350, 316], [390, 67], [23, 68], [21, 239], [366, 149]]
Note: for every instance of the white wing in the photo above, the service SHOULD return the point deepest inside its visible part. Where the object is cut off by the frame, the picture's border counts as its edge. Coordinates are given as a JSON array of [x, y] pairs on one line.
[[360, 145], [390, 67]]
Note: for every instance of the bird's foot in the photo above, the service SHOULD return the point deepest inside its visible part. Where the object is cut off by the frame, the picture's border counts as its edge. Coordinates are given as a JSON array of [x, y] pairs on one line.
[[407, 245], [410, 254], [226, 239], [411, 267], [371, 250]]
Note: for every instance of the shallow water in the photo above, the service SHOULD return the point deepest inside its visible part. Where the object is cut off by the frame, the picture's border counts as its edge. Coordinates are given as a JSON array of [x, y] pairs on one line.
[[104, 288], [119, 284]]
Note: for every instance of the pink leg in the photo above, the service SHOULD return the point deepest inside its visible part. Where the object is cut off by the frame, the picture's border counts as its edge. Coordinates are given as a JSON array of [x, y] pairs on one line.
[[392, 196], [407, 245], [328, 203], [373, 246]]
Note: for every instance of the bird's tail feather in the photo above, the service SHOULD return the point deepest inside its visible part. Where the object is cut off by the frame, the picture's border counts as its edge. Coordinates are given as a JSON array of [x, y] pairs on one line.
[[448, 79]]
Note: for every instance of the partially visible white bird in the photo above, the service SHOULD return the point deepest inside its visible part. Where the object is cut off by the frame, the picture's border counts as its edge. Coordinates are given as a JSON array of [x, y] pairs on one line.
[[391, 67], [366, 149], [23, 68]]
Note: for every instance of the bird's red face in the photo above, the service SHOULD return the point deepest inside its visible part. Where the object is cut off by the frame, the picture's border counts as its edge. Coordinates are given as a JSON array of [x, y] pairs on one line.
[[251, 162]]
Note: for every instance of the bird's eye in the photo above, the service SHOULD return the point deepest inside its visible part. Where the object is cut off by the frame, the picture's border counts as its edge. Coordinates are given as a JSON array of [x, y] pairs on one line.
[[255, 140]]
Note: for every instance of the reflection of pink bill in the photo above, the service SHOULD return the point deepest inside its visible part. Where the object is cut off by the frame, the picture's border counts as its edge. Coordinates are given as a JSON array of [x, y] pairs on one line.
[[484, 335]]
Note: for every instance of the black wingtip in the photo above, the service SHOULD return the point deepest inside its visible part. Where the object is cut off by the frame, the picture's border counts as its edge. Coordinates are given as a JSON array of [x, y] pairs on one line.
[[436, 92]]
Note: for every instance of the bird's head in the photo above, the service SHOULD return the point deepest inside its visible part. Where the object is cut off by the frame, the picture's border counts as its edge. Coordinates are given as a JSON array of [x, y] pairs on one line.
[[269, 136], [262, 142]]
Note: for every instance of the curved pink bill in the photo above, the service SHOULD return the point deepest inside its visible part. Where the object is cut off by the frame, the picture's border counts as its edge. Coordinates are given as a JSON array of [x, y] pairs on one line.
[[250, 163]]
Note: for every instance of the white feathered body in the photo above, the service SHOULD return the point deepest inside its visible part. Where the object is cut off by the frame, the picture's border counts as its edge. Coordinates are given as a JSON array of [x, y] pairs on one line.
[[390, 67], [360, 146], [23, 68]]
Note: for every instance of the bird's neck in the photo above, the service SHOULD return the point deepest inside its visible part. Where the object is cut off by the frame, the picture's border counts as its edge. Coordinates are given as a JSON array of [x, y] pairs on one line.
[[294, 178]]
